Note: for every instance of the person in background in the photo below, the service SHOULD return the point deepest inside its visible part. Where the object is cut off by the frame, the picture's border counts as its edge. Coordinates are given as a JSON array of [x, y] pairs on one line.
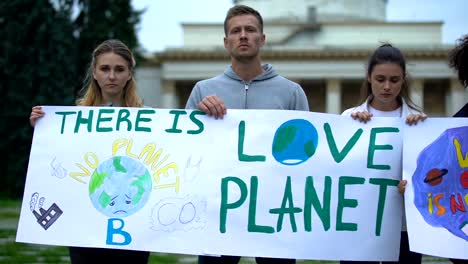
[[245, 84], [385, 93], [458, 60], [109, 82]]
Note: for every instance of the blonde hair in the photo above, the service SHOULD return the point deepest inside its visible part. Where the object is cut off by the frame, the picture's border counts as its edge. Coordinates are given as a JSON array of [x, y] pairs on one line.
[[91, 91]]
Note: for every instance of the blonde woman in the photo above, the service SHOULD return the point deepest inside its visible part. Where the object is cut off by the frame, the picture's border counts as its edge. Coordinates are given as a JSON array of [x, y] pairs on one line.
[[109, 82]]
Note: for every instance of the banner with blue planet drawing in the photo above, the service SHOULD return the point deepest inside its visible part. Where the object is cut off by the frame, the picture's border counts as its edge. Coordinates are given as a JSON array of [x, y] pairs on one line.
[[270, 183], [436, 168]]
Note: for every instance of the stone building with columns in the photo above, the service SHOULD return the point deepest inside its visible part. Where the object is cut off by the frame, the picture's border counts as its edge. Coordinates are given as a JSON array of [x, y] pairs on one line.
[[321, 44]]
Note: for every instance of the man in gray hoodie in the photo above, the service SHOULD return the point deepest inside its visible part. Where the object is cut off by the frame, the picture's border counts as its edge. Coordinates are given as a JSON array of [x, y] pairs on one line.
[[246, 84]]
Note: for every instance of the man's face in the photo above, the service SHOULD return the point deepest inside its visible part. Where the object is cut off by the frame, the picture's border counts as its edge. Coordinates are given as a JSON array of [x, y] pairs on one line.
[[244, 37]]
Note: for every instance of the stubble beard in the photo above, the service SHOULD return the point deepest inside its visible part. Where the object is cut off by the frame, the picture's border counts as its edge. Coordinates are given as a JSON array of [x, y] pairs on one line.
[[244, 57]]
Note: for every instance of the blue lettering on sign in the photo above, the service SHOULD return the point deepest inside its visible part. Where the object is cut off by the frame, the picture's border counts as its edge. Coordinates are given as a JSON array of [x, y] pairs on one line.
[[114, 231]]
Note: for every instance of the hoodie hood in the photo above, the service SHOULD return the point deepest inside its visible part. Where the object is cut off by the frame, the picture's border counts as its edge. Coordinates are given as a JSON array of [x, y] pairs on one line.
[[268, 73]]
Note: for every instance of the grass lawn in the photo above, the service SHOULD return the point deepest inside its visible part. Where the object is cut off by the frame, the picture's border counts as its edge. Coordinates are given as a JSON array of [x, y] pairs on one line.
[[19, 253]]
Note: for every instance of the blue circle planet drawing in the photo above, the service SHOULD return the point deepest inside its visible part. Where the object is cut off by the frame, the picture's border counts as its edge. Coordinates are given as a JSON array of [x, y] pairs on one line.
[[295, 141], [439, 182], [120, 186]]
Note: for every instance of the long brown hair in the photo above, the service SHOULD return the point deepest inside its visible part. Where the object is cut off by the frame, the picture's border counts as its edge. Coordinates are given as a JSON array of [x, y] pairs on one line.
[[386, 53]]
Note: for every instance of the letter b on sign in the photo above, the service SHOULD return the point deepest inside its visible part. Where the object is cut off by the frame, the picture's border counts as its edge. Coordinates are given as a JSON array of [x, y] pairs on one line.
[[115, 234]]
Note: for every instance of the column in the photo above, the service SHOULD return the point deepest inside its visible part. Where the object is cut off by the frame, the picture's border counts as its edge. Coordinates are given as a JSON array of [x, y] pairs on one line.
[[333, 96], [169, 98], [417, 92], [457, 97], [149, 85]]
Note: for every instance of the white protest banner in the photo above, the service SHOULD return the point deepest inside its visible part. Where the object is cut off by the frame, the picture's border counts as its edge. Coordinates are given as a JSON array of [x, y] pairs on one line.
[[436, 198], [270, 183]]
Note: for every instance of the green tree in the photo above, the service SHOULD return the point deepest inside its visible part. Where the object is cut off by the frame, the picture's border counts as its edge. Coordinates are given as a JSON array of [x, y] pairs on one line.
[[45, 54], [37, 66], [99, 20]]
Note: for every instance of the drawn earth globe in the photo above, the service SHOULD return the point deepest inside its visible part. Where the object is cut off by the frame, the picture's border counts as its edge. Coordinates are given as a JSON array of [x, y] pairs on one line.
[[295, 141], [120, 186]]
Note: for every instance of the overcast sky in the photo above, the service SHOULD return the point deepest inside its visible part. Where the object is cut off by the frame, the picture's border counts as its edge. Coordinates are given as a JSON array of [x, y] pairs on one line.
[[160, 27]]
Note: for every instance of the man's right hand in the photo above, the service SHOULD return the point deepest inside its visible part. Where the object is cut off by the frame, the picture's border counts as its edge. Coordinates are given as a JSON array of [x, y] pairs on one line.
[[36, 113], [212, 105]]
